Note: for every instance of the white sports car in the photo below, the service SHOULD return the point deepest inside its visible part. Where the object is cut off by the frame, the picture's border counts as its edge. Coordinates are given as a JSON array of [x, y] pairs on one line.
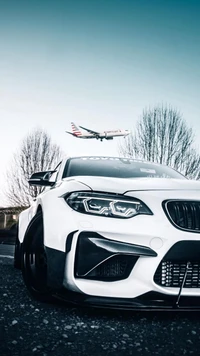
[[112, 232]]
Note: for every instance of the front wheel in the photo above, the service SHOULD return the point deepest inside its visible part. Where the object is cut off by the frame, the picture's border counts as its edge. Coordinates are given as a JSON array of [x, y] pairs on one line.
[[34, 261], [17, 253]]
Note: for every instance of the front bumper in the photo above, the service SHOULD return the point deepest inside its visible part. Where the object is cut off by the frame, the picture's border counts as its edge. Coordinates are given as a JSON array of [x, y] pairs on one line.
[[92, 250], [154, 233], [95, 267]]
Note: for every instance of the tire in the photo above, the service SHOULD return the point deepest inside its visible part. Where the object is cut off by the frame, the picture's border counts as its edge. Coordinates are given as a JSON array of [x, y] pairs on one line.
[[17, 252], [34, 261]]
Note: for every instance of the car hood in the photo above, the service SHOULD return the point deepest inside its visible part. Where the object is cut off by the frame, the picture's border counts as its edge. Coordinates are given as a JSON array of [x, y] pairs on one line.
[[123, 185]]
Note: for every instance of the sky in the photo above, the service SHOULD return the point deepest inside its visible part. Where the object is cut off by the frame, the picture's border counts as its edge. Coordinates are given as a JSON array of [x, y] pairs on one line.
[[98, 63]]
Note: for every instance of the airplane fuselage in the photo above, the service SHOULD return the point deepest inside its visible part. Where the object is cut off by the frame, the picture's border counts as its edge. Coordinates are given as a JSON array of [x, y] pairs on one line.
[[108, 135], [87, 133]]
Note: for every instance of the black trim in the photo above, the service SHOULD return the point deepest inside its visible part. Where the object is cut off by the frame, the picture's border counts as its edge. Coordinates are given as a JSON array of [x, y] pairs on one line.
[[115, 268], [148, 301], [188, 250], [55, 267], [121, 247], [56, 263], [94, 250], [65, 175], [69, 241], [41, 178]]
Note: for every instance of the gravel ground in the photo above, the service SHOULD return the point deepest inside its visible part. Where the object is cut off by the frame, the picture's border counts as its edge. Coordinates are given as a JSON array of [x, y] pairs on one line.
[[28, 327]]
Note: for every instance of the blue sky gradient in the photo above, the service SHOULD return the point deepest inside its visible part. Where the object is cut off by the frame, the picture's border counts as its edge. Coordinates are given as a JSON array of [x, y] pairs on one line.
[[96, 62]]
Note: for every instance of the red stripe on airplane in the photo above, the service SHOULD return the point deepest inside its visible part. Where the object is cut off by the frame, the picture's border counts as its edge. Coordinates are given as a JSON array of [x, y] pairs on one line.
[[77, 133]]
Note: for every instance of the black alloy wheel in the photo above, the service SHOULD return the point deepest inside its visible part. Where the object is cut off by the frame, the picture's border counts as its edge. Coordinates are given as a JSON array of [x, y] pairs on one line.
[[34, 261]]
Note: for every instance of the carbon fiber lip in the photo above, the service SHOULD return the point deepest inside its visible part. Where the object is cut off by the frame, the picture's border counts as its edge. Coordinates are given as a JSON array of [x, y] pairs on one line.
[[147, 302]]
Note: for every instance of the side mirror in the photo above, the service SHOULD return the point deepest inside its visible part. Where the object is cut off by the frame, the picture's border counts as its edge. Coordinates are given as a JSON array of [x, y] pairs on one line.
[[41, 178]]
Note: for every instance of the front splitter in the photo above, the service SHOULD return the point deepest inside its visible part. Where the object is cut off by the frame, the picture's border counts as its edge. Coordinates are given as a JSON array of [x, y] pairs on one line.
[[148, 301]]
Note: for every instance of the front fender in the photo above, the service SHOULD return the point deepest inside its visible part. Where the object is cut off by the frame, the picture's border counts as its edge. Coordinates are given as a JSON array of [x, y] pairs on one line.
[[24, 219]]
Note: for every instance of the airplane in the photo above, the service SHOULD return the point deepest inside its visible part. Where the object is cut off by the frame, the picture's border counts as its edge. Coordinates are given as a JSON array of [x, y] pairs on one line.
[[107, 135]]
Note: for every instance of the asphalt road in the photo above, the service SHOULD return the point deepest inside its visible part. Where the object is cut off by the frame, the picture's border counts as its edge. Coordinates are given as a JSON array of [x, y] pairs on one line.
[[28, 327]]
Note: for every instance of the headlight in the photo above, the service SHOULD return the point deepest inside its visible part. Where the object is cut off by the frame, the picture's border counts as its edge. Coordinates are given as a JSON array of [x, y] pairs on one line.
[[108, 205]]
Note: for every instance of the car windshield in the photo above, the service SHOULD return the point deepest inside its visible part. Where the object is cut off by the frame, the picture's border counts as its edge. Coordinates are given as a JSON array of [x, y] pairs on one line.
[[117, 168]]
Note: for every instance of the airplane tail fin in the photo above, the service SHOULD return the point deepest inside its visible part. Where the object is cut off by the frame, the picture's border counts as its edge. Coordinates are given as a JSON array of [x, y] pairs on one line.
[[75, 130]]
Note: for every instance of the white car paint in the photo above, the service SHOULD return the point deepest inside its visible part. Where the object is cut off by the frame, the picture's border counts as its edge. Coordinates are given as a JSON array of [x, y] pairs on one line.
[[153, 231]]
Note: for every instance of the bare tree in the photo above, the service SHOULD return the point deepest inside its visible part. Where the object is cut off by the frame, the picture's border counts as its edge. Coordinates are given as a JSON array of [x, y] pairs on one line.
[[163, 136], [36, 153]]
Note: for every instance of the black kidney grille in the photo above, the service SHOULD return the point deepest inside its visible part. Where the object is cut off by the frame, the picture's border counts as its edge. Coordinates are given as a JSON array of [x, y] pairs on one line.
[[171, 274], [184, 214]]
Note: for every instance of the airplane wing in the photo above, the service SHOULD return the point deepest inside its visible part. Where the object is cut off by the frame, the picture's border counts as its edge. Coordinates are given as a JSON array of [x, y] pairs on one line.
[[90, 131], [70, 133]]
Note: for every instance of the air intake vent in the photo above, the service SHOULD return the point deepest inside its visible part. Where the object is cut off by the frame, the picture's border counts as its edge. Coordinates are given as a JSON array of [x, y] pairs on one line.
[[171, 274], [115, 268], [185, 215]]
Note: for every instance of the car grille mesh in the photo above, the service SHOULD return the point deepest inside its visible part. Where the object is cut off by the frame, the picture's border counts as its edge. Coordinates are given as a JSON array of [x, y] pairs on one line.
[[171, 274], [115, 268], [184, 214]]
